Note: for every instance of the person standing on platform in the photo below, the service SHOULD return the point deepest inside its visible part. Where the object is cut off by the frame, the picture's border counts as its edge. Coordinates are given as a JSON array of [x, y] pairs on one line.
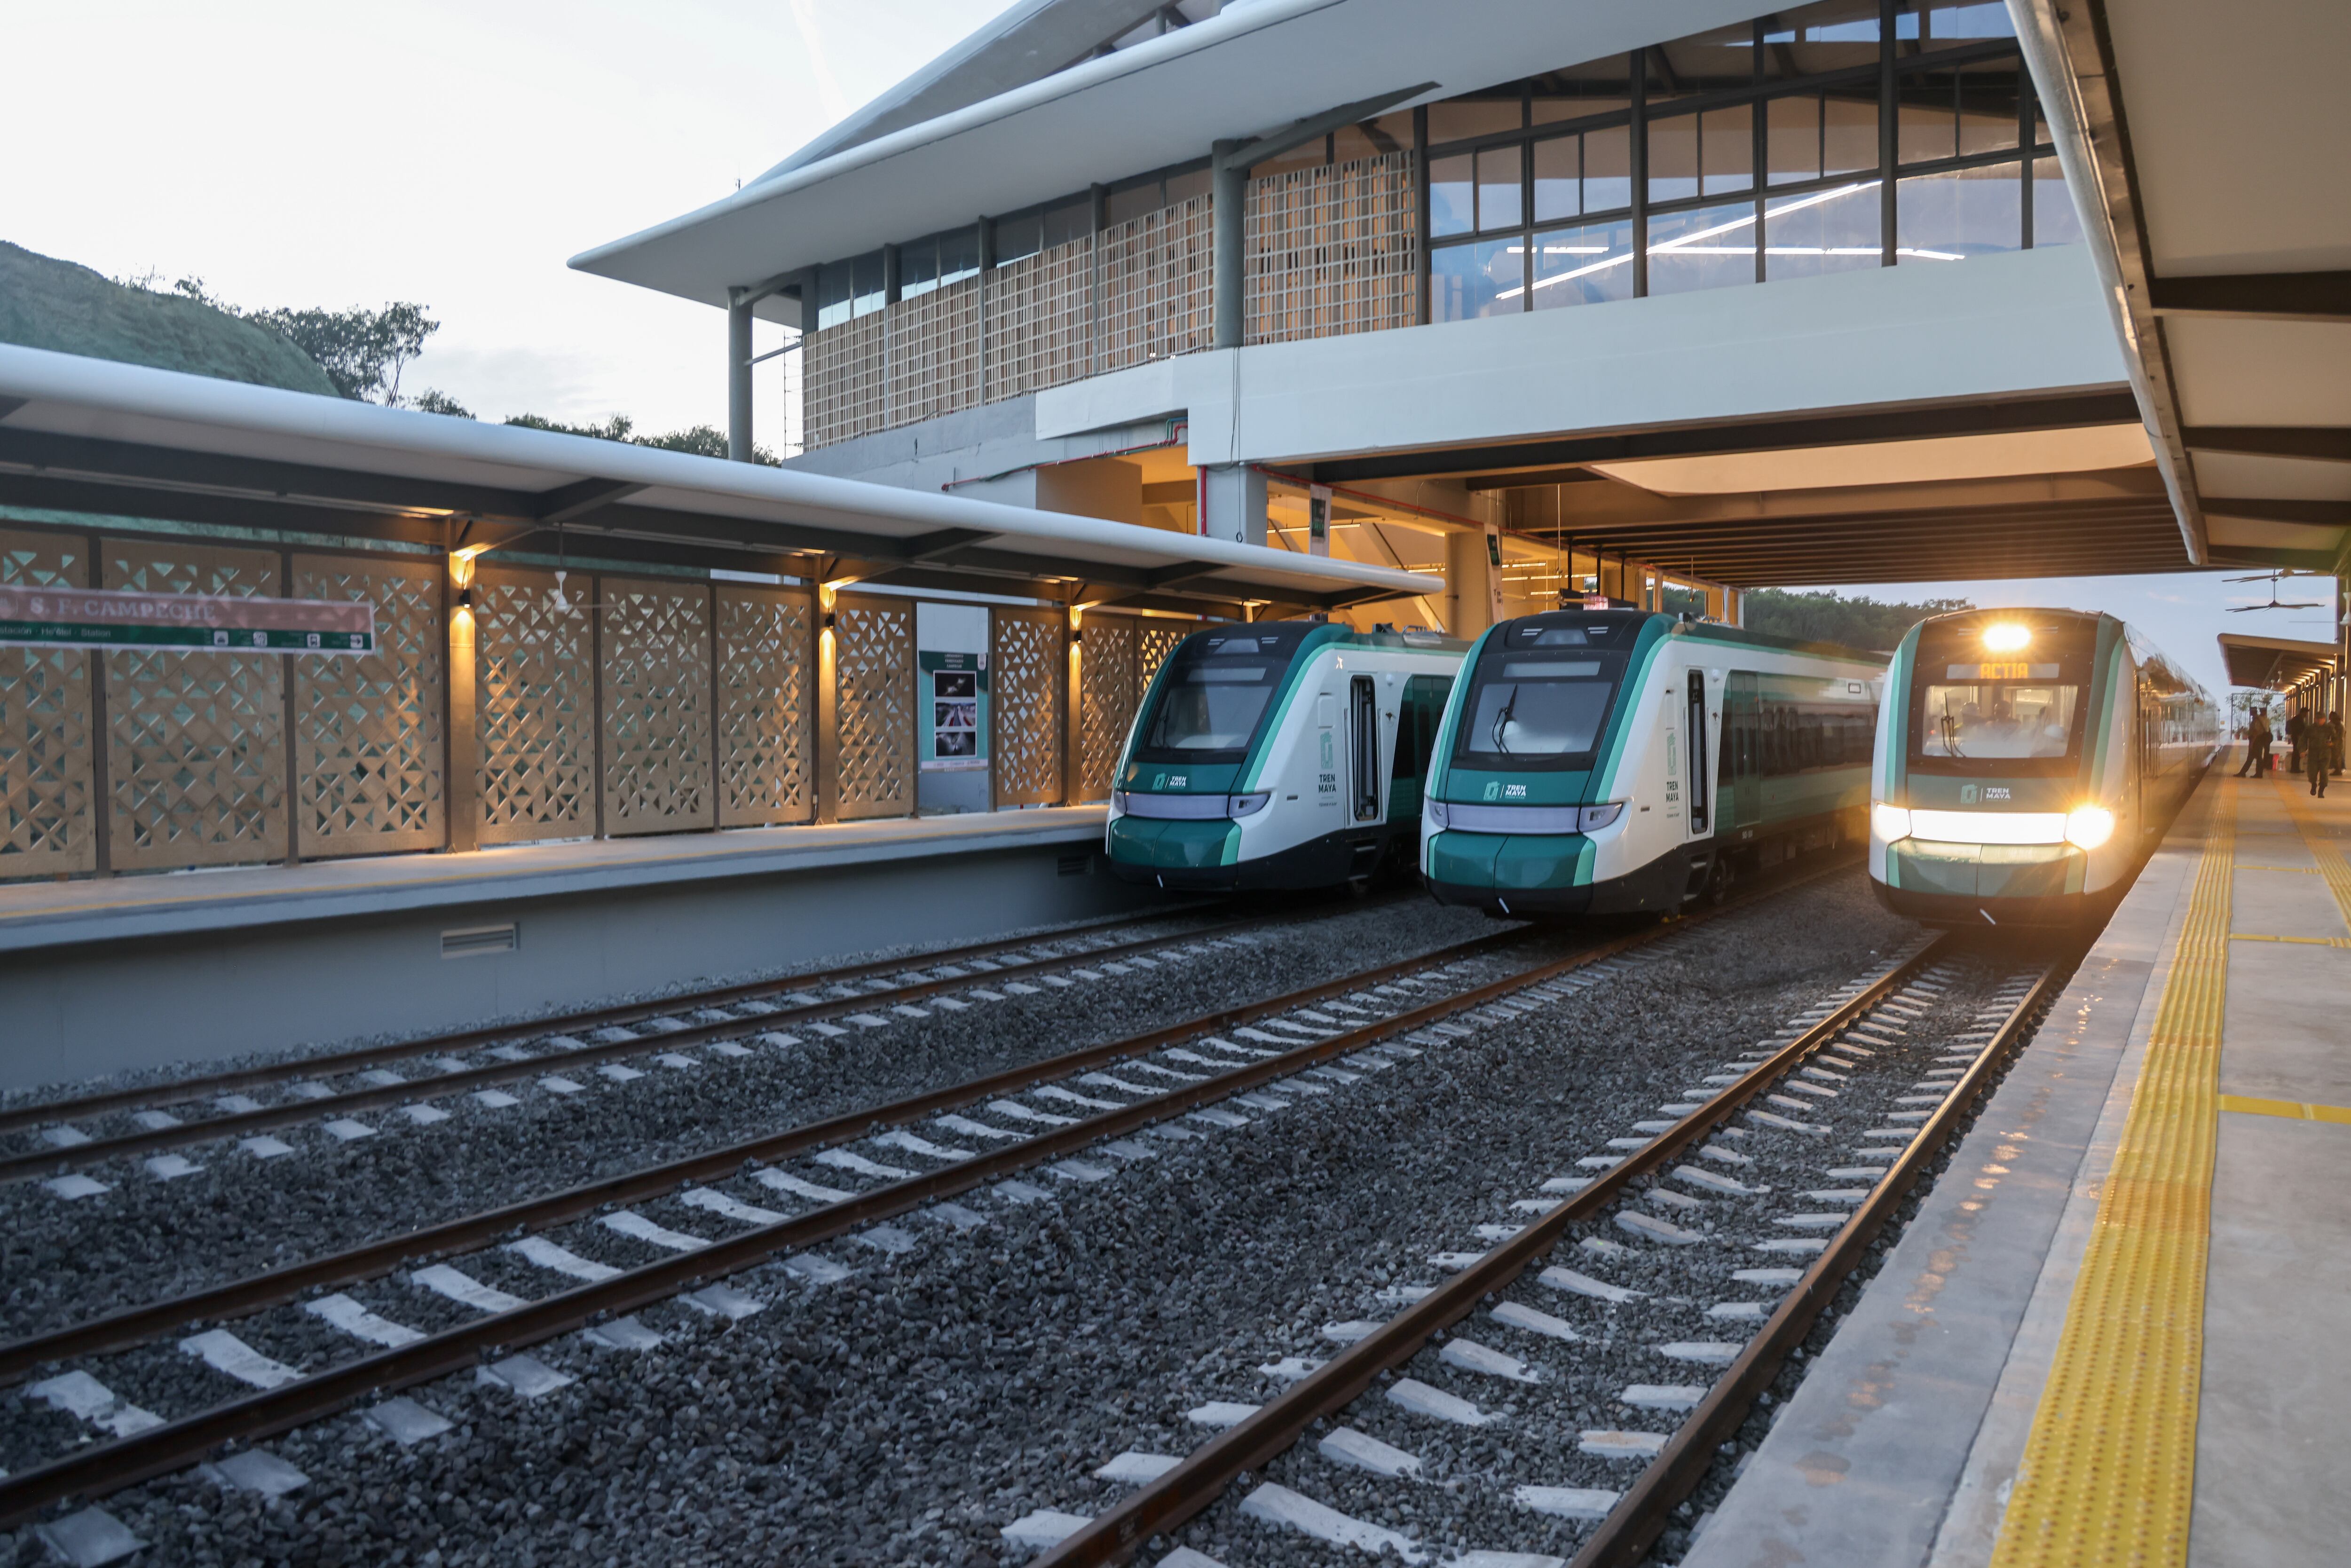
[[2335, 745], [2296, 726], [2321, 744], [2257, 747]]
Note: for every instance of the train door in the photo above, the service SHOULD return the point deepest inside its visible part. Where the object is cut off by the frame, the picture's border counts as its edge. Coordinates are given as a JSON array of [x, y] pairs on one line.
[[1741, 769], [1694, 735], [1364, 749], [1417, 713]]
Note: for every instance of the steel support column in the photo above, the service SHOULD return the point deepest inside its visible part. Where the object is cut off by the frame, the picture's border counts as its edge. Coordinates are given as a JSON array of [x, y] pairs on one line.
[[1227, 210], [738, 375]]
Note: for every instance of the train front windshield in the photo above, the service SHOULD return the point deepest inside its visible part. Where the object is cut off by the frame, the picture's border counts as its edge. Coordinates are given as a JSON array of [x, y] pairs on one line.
[[1973, 711], [1538, 700], [1214, 697]]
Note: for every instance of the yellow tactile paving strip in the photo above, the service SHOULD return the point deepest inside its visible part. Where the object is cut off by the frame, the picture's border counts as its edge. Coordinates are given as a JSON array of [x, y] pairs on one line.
[[2322, 846], [2307, 941], [2109, 1472], [2292, 1110]]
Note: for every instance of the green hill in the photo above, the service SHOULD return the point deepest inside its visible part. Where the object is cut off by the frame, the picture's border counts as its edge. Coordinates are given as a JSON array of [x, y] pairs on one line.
[[57, 305]]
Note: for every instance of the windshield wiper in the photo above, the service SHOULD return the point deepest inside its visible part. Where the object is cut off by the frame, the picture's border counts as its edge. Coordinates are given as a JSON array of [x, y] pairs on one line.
[[1502, 721]]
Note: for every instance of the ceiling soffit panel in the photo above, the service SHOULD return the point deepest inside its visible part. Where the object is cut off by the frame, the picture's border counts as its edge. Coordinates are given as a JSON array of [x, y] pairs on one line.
[[2271, 478], [2261, 373]]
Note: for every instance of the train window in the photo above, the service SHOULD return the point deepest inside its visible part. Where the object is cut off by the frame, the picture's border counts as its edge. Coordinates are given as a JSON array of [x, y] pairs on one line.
[[1536, 711], [1983, 719]]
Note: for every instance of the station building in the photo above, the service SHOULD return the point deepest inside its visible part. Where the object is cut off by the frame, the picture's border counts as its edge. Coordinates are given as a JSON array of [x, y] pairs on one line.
[[1706, 298]]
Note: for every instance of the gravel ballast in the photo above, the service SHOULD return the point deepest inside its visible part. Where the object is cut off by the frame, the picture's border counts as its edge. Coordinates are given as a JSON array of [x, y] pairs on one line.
[[911, 1411]]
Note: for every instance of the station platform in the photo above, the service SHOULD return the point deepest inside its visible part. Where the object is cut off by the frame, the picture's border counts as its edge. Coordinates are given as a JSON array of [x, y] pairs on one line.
[[135, 971], [2115, 1330]]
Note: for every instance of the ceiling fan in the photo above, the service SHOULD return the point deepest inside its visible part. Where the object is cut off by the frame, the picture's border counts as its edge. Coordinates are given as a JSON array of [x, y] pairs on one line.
[[2272, 578]]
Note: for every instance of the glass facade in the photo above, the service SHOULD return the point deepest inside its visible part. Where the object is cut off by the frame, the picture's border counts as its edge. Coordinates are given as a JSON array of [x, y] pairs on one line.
[[1843, 134]]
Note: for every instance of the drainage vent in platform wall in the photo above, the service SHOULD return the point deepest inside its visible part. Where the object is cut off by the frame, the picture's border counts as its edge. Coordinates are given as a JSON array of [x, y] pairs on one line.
[[474, 941]]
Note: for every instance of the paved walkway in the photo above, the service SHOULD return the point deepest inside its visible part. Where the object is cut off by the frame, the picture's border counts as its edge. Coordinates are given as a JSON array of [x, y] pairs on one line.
[[2115, 1333]]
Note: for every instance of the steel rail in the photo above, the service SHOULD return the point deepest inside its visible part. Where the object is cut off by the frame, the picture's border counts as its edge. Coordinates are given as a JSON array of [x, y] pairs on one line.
[[1624, 1537], [130, 1146], [108, 1467], [1163, 1505], [14, 1118], [135, 1324]]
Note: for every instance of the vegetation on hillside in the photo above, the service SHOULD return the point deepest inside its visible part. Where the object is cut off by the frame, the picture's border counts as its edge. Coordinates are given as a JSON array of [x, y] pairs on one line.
[[1823, 617], [67, 308]]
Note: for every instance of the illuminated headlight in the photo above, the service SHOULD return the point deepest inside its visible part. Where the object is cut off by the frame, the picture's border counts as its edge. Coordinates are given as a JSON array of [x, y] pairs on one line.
[[1597, 817], [1891, 824], [1439, 817], [1118, 802], [2087, 827], [2006, 637], [1247, 805]]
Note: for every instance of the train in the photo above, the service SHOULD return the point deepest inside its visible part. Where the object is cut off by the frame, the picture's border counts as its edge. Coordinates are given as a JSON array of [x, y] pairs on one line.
[[1611, 761], [2026, 761], [1280, 755]]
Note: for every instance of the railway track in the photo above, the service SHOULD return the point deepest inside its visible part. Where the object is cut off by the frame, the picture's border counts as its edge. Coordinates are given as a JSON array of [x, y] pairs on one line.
[[693, 1019], [1191, 1065], [1862, 1033]]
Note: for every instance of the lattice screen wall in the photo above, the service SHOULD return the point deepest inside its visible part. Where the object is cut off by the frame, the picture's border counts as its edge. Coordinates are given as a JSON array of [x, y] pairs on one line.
[[46, 743], [1105, 702], [535, 702], [195, 756], [1157, 276], [657, 703], [932, 353], [1153, 641], [766, 726], [874, 675], [1330, 250], [1027, 670], [369, 735], [1040, 315], [841, 386]]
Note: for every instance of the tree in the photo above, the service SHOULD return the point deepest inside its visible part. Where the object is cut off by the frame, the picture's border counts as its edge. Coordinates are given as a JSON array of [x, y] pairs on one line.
[[702, 440], [433, 400], [1823, 617], [363, 351]]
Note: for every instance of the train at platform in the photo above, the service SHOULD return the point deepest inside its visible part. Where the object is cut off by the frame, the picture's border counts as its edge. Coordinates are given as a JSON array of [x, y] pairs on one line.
[[2027, 760], [1611, 761], [1280, 755]]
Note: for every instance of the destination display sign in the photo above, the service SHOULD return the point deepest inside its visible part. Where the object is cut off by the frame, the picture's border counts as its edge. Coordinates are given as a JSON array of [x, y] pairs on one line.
[[122, 618], [2010, 671]]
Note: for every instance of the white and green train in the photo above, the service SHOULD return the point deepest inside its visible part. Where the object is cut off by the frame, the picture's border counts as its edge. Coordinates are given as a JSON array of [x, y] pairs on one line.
[[2026, 760], [1596, 761], [1285, 754]]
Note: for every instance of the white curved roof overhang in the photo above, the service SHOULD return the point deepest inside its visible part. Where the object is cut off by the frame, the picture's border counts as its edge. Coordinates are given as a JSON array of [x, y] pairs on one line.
[[1250, 71], [95, 435]]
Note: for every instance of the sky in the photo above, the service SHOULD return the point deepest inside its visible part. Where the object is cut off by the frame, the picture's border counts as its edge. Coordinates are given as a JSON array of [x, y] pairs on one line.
[[456, 155]]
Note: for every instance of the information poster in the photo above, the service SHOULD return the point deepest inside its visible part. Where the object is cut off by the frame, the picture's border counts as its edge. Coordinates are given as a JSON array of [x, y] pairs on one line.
[[954, 691], [951, 712]]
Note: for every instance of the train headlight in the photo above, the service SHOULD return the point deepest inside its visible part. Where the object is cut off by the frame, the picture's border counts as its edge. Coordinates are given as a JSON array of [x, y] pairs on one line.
[[1438, 817], [1891, 824], [2006, 637], [1598, 817], [1118, 802], [1238, 806], [2087, 827]]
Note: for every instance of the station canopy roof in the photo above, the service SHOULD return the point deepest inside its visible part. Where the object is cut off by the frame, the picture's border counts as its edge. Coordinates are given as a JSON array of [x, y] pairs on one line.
[[2274, 663], [83, 435], [2211, 139], [1249, 71]]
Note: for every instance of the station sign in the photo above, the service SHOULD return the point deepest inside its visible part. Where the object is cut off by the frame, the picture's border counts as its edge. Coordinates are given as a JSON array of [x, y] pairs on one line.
[[123, 618]]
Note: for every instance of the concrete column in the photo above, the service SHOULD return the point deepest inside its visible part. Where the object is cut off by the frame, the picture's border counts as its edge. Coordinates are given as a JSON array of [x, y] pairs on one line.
[[738, 379], [1232, 503], [1227, 210], [460, 791], [1473, 582]]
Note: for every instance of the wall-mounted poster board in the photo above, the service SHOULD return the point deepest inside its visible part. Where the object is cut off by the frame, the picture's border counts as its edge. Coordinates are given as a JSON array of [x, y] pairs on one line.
[[951, 709]]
